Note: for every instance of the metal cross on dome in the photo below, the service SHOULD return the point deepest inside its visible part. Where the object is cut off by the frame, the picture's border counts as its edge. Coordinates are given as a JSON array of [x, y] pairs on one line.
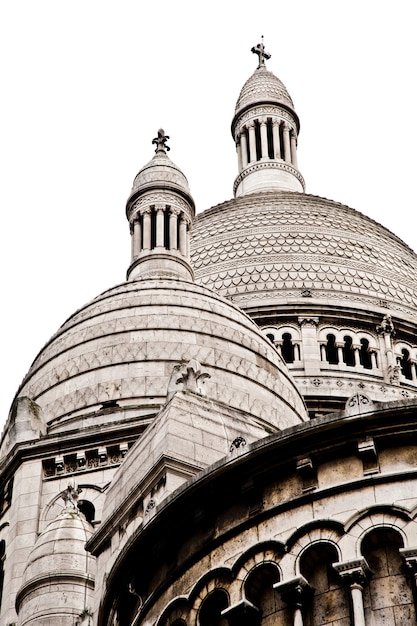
[[260, 51]]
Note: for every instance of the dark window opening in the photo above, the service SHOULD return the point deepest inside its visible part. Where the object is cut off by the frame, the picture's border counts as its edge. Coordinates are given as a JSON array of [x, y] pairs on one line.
[[331, 350], [348, 351], [167, 215], [287, 348], [87, 509], [258, 140], [405, 364], [270, 139], [365, 355]]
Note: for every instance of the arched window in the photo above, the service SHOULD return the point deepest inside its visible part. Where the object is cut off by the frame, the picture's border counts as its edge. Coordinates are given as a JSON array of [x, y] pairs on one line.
[[329, 603], [87, 509], [405, 364], [331, 350], [210, 613], [287, 348], [348, 352], [365, 355], [388, 595], [259, 591]]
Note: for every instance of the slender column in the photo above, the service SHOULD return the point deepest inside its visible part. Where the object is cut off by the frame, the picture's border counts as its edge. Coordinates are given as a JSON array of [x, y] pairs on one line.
[[147, 229], [264, 139], [275, 139], [136, 237], [239, 153], [173, 228], [132, 240], [183, 236], [413, 369], [160, 226], [355, 573], [287, 147], [244, 148], [293, 139], [374, 360], [252, 143], [356, 349], [323, 351], [339, 347], [295, 592]]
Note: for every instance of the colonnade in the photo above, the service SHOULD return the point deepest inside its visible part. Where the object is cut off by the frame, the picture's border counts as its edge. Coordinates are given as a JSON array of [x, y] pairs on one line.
[[159, 227], [264, 139]]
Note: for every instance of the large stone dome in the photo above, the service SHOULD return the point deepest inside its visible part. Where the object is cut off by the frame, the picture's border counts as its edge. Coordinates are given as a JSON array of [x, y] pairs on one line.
[[283, 247], [118, 356]]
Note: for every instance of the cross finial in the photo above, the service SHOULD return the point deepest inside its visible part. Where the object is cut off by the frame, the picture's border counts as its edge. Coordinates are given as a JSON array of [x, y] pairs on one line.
[[262, 54], [161, 141]]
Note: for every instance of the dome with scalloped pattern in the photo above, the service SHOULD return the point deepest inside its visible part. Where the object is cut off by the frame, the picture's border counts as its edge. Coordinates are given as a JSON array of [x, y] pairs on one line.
[[263, 86], [282, 247]]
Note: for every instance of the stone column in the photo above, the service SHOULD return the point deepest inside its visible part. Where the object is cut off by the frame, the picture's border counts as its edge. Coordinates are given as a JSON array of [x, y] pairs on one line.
[[340, 346], [355, 573], [136, 237], [374, 360], [287, 147], [244, 148], [264, 139], [275, 139], [183, 236], [410, 557], [160, 226], [294, 149], [357, 349], [323, 352], [295, 592], [252, 143], [310, 349], [173, 228], [146, 225], [239, 154]]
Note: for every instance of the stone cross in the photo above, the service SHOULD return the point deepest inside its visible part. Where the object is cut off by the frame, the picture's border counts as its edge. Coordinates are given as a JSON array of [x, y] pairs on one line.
[[262, 55], [160, 141]]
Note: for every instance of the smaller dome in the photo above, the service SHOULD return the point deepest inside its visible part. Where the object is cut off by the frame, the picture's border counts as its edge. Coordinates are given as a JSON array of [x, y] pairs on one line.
[[58, 554], [263, 86], [160, 173]]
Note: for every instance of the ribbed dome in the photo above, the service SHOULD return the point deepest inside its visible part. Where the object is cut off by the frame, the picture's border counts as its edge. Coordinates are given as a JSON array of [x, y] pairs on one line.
[[121, 349], [263, 86], [285, 247], [160, 173]]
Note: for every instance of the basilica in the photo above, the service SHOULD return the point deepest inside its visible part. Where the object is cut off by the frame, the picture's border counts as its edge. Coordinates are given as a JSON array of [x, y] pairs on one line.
[[227, 438]]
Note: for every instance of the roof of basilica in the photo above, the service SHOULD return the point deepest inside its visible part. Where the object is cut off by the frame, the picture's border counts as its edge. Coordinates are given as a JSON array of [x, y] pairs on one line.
[[288, 245]]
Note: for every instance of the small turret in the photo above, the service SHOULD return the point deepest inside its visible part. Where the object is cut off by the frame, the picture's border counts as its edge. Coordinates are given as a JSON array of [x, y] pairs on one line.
[[265, 129], [160, 210]]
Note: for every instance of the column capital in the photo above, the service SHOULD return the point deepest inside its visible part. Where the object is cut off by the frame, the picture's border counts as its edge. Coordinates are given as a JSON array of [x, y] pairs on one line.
[[174, 211], [410, 557], [242, 613], [311, 322], [294, 591], [286, 126], [146, 210], [354, 572]]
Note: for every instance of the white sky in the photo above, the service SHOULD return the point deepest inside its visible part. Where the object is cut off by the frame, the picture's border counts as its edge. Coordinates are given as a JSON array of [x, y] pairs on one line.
[[86, 84]]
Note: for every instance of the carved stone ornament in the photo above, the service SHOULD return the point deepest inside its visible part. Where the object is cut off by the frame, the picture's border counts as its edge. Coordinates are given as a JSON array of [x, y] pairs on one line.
[[386, 327], [193, 378], [70, 495], [239, 442]]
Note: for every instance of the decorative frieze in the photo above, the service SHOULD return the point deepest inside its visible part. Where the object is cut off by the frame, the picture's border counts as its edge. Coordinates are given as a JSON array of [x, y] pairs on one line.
[[85, 460]]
